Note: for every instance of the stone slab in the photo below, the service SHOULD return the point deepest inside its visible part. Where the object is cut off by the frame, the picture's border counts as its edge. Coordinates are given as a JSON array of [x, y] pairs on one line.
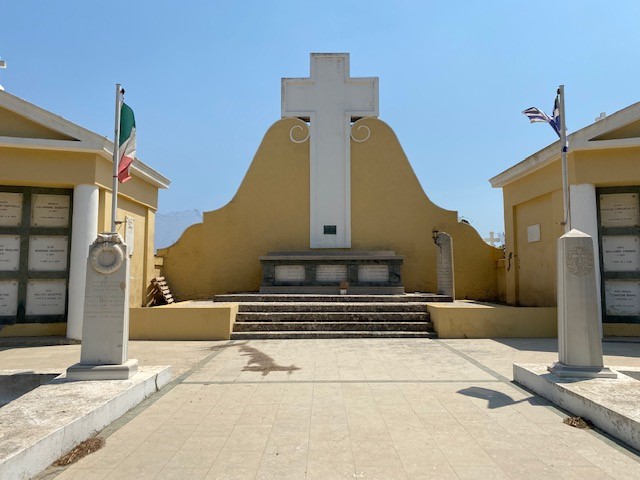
[[44, 424], [81, 371], [611, 404], [331, 290]]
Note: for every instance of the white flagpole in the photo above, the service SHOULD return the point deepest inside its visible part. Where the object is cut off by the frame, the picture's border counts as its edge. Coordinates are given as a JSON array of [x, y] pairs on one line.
[[565, 175], [116, 158]]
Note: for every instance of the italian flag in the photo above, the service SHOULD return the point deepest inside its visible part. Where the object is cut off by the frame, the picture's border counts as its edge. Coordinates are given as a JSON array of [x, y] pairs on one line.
[[127, 142]]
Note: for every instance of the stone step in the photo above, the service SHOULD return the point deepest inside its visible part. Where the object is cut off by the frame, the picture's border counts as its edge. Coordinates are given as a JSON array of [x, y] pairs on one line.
[[332, 307], [333, 326], [327, 334], [308, 298], [332, 317]]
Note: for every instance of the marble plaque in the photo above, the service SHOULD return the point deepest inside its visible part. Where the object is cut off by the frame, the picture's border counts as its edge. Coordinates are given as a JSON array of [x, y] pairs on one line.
[[331, 273], [10, 209], [8, 298], [129, 234], [622, 297], [533, 233], [9, 253], [48, 253], [619, 210], [46, 297], [621, 253], [290, 273], [50, 210], [373, 273]]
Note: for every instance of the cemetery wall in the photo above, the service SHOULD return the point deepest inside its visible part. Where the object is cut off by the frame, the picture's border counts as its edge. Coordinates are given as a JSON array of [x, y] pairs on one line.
[[270, 212]]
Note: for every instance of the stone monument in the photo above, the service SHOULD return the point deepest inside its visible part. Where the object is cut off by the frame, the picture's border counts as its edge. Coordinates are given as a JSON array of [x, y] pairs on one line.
[[579, 341], [105, 330], [444, 263]]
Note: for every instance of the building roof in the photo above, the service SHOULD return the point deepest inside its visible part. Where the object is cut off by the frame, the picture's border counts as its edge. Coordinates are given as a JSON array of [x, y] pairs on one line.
[[619, 130], [81, 139]]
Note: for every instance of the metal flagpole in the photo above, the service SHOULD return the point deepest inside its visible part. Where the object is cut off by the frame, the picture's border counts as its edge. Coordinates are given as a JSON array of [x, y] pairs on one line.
[[565, 175], [116, 158]]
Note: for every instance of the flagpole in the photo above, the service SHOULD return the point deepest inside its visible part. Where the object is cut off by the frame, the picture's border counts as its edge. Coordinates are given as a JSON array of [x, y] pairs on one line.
[[565, 175], [116, 159]]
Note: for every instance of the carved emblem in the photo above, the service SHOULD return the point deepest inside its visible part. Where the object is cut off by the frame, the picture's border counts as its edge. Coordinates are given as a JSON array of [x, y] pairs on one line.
[[580, 261]]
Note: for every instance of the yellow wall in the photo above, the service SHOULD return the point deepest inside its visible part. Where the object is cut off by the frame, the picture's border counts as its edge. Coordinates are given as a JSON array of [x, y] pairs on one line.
[[270, 212], [14, 125], [33, 330]]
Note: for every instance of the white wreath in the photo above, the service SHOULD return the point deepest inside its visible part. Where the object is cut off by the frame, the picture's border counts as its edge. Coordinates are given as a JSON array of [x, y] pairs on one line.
[[105, 247]]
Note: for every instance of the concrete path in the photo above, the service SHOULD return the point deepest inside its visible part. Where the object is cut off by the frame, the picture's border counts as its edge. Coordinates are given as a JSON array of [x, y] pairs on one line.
[[344, 409]]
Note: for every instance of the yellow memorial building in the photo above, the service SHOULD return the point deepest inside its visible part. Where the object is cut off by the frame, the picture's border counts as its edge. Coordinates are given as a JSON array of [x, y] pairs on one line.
[[55, 196], [604, 184]]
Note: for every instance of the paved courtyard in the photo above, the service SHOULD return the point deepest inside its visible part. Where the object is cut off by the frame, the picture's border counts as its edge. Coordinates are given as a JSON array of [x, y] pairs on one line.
[[324, 409]]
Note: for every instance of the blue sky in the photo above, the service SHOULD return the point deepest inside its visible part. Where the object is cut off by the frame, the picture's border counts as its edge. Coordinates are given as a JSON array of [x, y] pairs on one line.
[[204, 79]]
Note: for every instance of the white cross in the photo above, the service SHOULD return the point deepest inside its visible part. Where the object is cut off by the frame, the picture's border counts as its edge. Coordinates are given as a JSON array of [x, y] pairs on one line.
[[330, 100], [491, 240]]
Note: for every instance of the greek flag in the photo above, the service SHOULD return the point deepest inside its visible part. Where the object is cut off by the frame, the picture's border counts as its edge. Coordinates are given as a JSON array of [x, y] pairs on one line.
[[536, 115]]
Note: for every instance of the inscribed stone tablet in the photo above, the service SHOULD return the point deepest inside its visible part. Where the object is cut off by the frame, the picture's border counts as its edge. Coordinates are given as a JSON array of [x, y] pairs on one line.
[[533, 233], [289, 273], [373, 273], [621, 253], [10, 209], [619, 210], [50, 210], [48, 253], [46, 297], [622, 297], [9, 253], [8, 298], [331, 273]]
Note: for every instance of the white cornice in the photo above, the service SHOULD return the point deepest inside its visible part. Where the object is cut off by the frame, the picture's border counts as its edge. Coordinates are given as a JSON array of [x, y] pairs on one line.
[[578, 141]]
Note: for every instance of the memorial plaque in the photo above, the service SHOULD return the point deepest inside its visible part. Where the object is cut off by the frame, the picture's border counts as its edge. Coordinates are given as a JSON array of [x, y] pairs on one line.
[[46, 297], [50, 210], [619, 210], [622, 297], [10, 209], [621, 253], [533, 233], [290, 273], [48, 253], [129, 234], [8, 298], [373, 273], [331, 273], [9, 253]]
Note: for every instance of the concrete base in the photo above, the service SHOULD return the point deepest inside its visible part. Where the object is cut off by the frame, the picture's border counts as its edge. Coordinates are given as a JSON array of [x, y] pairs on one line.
[[572, 371], [46, 423], [611, 404], [81, 371]]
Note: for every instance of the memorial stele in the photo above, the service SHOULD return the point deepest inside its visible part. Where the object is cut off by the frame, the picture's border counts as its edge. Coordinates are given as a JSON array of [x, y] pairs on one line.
[[331, 187]]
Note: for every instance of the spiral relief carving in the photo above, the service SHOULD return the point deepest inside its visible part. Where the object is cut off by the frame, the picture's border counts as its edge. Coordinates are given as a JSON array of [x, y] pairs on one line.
[[358, 130], [302, 129]]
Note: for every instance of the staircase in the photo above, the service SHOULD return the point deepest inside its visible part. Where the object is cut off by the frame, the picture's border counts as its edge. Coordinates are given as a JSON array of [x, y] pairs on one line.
[[272, 316]]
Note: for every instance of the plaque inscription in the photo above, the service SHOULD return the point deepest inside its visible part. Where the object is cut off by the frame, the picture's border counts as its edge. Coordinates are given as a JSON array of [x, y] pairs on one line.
[[50, 210], [619, 210], [621, 253], [10, 209], [289, 273], [8, 298], [46, 297], [331, 273], [48, 253], [373, 273], [9, 253], [622, 297]]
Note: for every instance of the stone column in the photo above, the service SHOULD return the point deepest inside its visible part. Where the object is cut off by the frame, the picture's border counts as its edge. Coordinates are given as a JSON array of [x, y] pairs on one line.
[[584, 217], [444, 262], [579, 341], [84, 227]]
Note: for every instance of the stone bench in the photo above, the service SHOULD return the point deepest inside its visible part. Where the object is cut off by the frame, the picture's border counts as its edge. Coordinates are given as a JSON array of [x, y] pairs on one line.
[[367, 273]]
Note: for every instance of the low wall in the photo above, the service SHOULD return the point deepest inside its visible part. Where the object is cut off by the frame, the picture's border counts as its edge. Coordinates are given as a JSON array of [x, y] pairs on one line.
[[34, 330], [469, 319], [621, 329], [183, 321]]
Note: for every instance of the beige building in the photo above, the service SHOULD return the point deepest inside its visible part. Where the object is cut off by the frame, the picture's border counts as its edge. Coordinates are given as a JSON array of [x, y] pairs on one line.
[[604, 179], [55, 196]]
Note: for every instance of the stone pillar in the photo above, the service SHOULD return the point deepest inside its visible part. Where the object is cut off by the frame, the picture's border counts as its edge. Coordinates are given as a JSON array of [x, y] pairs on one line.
[[579, 342], [105, 330], [584, 217], [84, 227], [444, 262]]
